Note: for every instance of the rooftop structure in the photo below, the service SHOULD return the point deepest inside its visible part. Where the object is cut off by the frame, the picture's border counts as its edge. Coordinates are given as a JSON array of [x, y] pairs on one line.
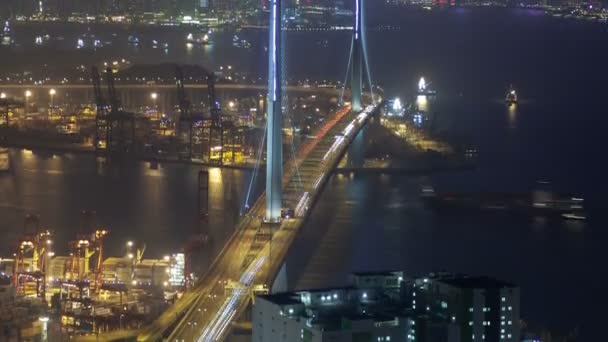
[[387, 306]]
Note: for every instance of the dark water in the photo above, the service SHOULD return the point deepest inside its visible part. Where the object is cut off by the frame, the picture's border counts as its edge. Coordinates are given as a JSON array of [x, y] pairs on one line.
[[157, 207], [378, 222]]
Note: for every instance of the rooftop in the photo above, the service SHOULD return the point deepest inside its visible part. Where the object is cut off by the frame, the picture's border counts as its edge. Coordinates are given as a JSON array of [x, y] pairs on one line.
[[469, 282], [376, 273], [288, 298]]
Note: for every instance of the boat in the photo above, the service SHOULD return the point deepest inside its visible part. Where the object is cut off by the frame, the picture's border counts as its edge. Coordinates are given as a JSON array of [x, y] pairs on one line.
[[6, 39], [133, 41], [157, 44], [42, 39], [86, 41], [540, 201], [323, 43], [574, 216], [424, 89], [240, 43], [199, 39], [511, 97]]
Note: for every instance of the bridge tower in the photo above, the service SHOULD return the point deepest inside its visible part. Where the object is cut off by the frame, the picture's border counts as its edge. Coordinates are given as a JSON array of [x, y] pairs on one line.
[[274, 143], [358, 57]]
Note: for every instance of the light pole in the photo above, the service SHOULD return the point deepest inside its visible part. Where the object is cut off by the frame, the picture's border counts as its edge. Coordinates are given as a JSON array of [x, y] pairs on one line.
[[52, 93], [154, 96], [28, 94]]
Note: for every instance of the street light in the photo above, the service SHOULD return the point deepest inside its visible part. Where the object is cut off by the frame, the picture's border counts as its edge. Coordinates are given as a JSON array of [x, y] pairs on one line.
[[28, 94], [154, 96], [52, 93], [129, 243], [2, 95]]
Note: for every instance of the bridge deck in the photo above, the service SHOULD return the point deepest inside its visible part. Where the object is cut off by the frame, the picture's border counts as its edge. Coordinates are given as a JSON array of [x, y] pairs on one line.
[[250, 262], [253, 255]]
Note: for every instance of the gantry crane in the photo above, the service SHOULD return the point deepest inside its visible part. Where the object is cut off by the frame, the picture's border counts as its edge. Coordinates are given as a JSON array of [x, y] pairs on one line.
[[80, 249], [6, 107], [102, 128], [114, 127], [118, 141], [99, 237], [191, 123], [36, 241]]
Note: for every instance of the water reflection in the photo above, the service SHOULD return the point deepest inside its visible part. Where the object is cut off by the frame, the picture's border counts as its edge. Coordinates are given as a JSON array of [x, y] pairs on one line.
[[512, 113], [575, 226], [422, 102]]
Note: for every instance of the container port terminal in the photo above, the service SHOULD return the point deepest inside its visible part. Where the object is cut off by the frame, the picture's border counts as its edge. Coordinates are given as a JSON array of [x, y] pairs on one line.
[[87, 290], [205, 119]]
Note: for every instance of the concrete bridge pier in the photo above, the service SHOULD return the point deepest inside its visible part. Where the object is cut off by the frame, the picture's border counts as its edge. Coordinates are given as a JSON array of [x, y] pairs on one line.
[[280, 283], [356, 152]]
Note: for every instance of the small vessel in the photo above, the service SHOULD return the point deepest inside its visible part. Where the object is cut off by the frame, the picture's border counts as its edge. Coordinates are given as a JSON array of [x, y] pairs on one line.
[[133, 41], [6, 38], [323, 43], [200, 39], [157, 44], [42, 39], [87, 40], [240, 43], [511, 97], [574, 216], [424, 89]]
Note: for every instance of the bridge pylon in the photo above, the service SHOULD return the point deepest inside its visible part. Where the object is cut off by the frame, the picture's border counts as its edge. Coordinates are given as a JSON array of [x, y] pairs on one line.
[[358, 58], [274, 143]]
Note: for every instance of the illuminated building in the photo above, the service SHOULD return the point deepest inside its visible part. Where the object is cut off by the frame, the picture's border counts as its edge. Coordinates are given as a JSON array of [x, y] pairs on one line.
[[483, 308], [176, 270], [387, 306], [355, 313]]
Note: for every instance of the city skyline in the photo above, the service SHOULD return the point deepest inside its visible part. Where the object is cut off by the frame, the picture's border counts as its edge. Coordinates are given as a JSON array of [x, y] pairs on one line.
[[265, 172]]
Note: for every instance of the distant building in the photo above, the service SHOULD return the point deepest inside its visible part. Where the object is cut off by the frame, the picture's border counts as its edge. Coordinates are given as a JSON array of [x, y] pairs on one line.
[[385, 306], [118, 270], [484, 309], [153, 272]]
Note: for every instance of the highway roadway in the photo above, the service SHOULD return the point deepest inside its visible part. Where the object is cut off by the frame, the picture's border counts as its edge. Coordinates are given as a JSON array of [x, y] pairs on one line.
[[227, 86], [250, 258]]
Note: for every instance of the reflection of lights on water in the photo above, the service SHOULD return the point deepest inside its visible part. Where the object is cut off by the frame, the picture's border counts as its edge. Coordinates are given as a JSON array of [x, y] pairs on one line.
[[44, 329], [215, 175], [422, 102], [512, 115], [575, 226]]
